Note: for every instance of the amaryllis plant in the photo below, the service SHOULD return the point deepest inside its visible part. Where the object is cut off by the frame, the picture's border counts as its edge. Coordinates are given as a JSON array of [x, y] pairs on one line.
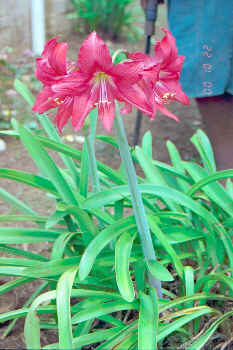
[[146, 82], [132, 261]]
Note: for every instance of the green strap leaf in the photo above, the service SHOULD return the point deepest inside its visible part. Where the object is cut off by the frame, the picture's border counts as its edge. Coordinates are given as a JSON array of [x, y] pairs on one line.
[[202, 144], [15, 235], [91, 338], [178, 165], [64, 287], [202, 340], [159, 271], [46, 165], [6, 287], [147, 144], [113, 175], [163, 239], [102, 309], [32, 331], [209, 186], [29, 179], [23, 90], [193, 313], [32, 322], [120, 192], [154, 175], [100, 241], [122, 255], [4, 195], [53, 134], [147, 323], [189, 283], [197, 296]]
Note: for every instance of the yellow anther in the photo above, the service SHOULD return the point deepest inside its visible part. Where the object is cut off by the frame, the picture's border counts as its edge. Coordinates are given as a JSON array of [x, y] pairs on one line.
[[58, 101], [167, 96]]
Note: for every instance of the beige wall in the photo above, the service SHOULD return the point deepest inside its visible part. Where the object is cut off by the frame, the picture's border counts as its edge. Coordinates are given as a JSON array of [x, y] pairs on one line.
[[15, 25]]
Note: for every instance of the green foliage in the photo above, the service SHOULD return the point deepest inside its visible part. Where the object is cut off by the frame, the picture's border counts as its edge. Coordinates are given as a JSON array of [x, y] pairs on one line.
[[112, 18], [94, 272]]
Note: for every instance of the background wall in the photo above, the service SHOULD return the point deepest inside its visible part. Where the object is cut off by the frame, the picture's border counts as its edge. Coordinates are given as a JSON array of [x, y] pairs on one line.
[[15, 21]]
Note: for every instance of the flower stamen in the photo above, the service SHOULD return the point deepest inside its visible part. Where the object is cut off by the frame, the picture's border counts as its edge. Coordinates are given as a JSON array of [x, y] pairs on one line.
[[100, 79], [168, 96], [58, 101]]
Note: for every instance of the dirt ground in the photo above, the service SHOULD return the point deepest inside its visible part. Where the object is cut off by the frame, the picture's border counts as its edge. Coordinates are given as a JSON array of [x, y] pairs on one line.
[[16, 157]]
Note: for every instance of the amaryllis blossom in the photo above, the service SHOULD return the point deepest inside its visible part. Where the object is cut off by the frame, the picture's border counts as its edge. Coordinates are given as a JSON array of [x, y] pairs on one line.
[[161, 73], [50, 68], [96, 83]]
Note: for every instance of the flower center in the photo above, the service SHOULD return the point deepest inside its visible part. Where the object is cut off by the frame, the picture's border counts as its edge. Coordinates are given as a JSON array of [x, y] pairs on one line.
[[101, 79], [162, 95], [100, 76]]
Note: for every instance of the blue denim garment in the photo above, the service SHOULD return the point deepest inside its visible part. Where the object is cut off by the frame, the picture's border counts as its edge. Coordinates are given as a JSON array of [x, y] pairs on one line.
[[204, 33]]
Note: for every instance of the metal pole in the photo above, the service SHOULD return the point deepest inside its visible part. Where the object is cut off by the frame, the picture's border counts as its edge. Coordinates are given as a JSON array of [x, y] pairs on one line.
[[38, 26], [151, 14]]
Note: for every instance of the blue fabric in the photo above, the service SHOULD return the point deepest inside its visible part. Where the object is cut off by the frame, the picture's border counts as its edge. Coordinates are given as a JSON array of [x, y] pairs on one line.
[[204, 33]]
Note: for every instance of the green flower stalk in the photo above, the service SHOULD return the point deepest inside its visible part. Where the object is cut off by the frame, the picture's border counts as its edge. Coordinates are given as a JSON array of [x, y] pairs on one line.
[[138, 207]]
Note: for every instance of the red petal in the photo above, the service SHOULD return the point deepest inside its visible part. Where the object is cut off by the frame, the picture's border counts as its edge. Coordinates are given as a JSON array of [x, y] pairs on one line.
[[52, 63], [166, 49], [129, 71], [44, 101], [57, 58], [126, 109], [180, 96], [93, 54], [49, 46], [176, 65], [166, 112], [44, 72], [71, 85], [106, 113], [106, 108], [83, 104], [134, 95], [64, 113], [147, 60]]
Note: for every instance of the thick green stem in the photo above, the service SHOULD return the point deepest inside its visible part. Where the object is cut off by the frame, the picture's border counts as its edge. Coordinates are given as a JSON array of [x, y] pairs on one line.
[[138, 207], [93, 168], [93, 165]]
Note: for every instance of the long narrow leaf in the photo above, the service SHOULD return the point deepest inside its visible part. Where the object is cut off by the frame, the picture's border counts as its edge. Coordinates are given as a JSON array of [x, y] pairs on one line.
[[29, 179], [100, 241], [46, 165], [64, 287], [9, 198], [147, 323], [15, 235], [103, 309], [122, 255]]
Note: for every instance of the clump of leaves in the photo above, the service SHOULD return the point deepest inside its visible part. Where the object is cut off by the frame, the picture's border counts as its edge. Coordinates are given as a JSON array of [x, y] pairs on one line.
[[111, 18], [94, 288]]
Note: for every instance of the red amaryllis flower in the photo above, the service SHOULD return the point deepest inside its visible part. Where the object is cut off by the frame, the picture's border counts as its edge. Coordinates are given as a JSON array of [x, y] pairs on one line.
[[160, 77], [52, 65], [50, 68], [96, 83]]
